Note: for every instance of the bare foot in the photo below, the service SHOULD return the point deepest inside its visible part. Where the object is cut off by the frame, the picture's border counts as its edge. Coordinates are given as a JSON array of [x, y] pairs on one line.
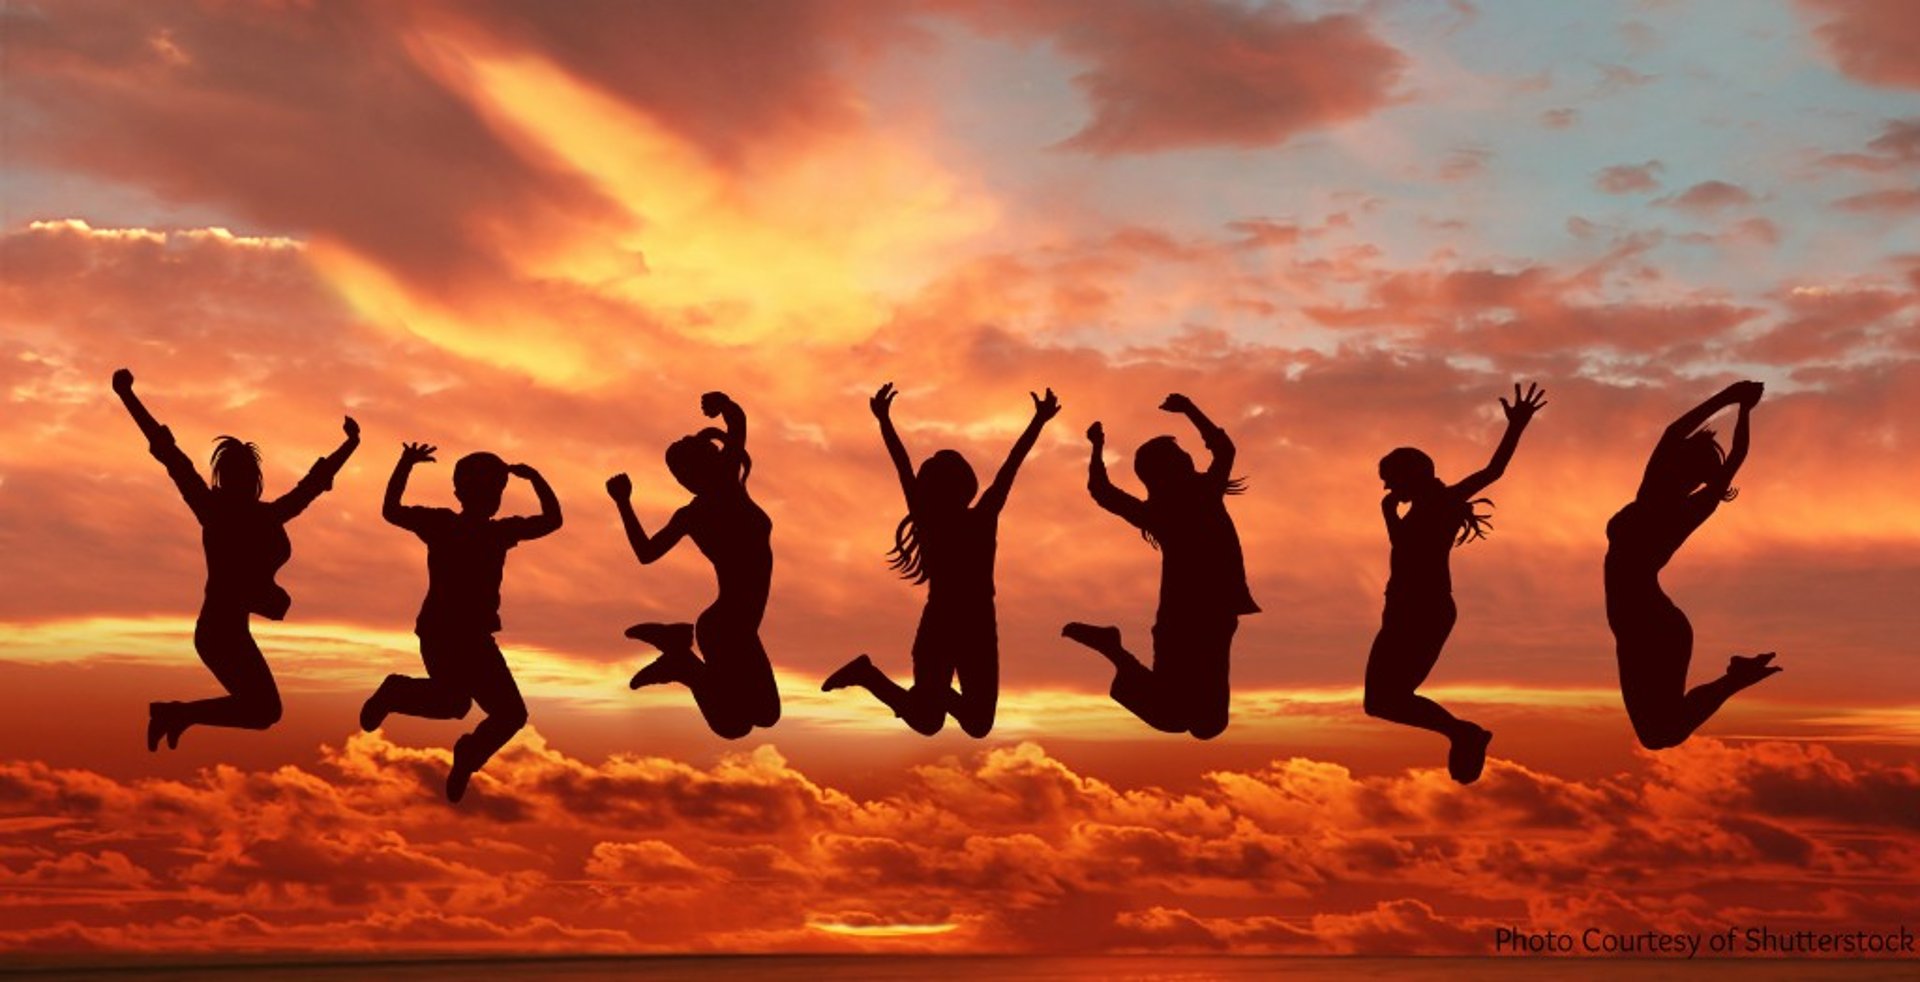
[[855, 672], [374, 711], [1468, 755], [1105, 640], [667, 668], [1746, 670], [161, 723], [666, 637]]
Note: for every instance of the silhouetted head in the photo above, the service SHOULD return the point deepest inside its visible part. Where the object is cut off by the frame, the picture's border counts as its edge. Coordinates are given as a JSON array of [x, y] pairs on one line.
[[478, 480], [1406, 470], [946, 482], [701, 465], [1162, 466], [1683, 467], [236, 468]]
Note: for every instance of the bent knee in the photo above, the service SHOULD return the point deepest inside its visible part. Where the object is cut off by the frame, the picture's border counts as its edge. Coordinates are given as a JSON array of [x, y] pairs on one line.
[[730, 729], [1656, 737], [1208, 728], [1380, 705], [976, 727]]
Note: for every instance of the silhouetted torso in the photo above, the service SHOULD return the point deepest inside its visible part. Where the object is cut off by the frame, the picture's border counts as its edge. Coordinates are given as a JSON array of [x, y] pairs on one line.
[[245, 538], [465, 560], [1201, 565], [958, 553], [735, 536], [1642, 538], [1421, 543]]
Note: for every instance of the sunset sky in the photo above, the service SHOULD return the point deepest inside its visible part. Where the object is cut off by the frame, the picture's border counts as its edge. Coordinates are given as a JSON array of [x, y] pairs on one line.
[[1340, 227]]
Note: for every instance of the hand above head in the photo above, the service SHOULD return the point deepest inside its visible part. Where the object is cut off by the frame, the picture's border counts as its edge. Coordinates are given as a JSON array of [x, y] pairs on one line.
[[122, 380], [416, 453], [351, 427], [1045, 408], [1746, 393], [1177, 403], [523, 471], [882, 401], [1097, 434], [620, 487], [1524, 405], [714, 403]]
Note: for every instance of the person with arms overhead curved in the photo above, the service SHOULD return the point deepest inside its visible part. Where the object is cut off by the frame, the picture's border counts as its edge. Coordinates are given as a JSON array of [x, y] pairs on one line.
[[466, 557], [245, 539], [1686, 479], [1203, 578], [1419, 612], [947, 541], [733, 683]]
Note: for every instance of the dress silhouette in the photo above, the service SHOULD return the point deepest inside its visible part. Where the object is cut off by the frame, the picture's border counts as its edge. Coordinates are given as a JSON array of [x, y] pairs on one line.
[[1203, 579], [1687, 478], [733, 684], [466, 555], [1419, 611], [947, 541], [246, 543]]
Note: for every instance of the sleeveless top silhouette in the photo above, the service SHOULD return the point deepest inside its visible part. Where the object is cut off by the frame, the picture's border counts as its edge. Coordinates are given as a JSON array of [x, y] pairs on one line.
[[958, 555], [1421, 542], [245, 538], [1641, 540]]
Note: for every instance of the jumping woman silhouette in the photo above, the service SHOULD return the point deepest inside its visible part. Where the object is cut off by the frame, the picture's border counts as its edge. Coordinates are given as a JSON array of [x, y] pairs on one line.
[[1203, 579], [246, 543], [946, 541], [733, 685], [1686, 479], [1419, 611]]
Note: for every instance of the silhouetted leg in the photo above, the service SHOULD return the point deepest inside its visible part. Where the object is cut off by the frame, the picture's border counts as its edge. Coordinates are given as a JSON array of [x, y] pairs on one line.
[[1666, 722], [1134, 686], [226, 646], [677, 662], [976, 668], [905, 703], [1412, 633], [493, 688], [734, 687], [1207, 692]]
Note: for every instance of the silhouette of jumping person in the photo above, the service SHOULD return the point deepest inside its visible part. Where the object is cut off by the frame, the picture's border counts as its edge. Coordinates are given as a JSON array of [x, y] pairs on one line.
[[733, 685], [1203, 579], [466, 555], [1419, 611], [246, 543], [1687, 478], [947, 541]]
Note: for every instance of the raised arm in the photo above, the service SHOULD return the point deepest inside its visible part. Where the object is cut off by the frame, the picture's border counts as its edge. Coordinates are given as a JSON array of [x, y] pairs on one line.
[[160, 443], [995, 497], [1220, 471], [645, 548], [320, 477], [1519, 413], [734, 437], [1744, 394], [882, 406], [391, 509], [548, 521], [1737, 449], [1128, 507]]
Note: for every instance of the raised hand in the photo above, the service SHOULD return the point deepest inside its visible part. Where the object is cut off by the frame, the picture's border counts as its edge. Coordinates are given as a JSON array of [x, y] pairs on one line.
[[1746, 393], [351, 427], [882, 401], [523, 471], [714, 403], [416, 453], [1523, 406], [1177, 403], [122, 381], [620, 487], [1097, 434], [1045, 408]]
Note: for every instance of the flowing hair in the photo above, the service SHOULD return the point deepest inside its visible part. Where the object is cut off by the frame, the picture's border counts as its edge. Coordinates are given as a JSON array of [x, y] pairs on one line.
[[905, 555], [230, 452], [1473, 524]]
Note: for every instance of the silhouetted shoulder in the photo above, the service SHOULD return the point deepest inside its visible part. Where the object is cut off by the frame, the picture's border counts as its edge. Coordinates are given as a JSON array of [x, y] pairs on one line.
[[423, 521]]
